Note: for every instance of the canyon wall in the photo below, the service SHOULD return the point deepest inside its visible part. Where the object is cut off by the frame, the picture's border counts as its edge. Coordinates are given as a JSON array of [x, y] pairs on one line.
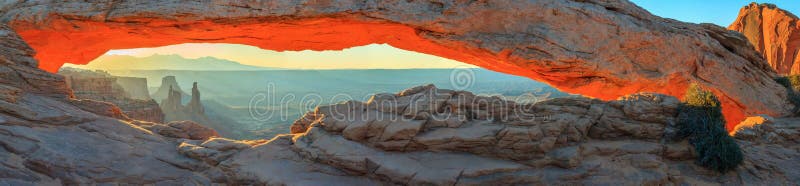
[[100, 86], [774, 32], [135, 87], [598, 48]]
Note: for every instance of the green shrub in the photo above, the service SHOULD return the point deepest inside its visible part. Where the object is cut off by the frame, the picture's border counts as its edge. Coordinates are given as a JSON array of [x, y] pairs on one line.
[[701, 120], [792, 84], [794, 81]]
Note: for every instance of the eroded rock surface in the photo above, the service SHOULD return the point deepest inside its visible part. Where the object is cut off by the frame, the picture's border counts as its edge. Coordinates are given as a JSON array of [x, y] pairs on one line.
[[565, 140], [604, 49], [179, 129], [770, 130], [45, 139], [420, 147], [774, 32]]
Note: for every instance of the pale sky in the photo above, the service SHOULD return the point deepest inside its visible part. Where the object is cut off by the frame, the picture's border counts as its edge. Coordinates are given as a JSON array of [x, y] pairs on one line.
[[375, 56], [720, 12], [381, 56]]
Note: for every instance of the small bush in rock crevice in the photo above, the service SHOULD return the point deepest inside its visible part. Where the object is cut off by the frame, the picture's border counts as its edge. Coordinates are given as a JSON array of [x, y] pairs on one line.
[[701, 120]]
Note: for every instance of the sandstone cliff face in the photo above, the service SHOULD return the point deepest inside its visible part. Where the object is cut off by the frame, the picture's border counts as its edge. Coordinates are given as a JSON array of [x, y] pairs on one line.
[[602, 49], [135, 87], [103, 87], [774, 32]]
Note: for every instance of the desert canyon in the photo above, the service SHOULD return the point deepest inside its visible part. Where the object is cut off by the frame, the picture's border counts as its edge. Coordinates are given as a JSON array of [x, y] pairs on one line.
[[616, 53]]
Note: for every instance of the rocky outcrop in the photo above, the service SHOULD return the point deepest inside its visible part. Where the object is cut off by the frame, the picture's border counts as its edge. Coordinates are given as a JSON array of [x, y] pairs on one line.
[[193, 111], [168, 85], [16, 63], [176, 111], [102, 87], [179, 129], [45, 140], [100, 108], [145, 110], [774, 32], [765, 129], [487, 141], [426, 136], [194, 104], [603, 49], [444, 120]]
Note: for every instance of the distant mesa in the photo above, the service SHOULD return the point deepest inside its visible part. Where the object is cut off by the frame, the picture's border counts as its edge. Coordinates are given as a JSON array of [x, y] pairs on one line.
[[168, 84], [127, 93], [135, 87], [168, 62]]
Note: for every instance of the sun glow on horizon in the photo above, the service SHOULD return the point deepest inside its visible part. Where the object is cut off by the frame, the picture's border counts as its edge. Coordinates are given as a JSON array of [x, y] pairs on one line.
[[373, 56]]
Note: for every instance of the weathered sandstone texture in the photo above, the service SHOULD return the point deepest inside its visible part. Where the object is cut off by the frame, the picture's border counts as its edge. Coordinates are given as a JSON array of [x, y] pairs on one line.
[[599, 48], [46, 139], [426, 137], [773, 32]]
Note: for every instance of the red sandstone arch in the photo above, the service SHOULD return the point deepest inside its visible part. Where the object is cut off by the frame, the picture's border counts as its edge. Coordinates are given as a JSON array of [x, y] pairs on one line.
[[615, 49]]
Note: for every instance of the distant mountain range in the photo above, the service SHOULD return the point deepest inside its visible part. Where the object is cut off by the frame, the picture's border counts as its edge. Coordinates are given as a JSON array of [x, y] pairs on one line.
[[168, 62]]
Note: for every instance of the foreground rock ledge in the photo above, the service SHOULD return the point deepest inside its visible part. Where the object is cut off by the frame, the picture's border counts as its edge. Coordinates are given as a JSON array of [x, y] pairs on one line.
[[47, 140], [603, 49]]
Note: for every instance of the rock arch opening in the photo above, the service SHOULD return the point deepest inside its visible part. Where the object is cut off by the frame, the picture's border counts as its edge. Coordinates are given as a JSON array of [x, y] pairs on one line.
[[590, 57], [244, 92]]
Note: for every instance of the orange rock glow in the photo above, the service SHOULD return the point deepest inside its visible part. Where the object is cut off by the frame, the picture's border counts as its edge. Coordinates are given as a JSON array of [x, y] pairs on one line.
[[79, 42], [774, 32]]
